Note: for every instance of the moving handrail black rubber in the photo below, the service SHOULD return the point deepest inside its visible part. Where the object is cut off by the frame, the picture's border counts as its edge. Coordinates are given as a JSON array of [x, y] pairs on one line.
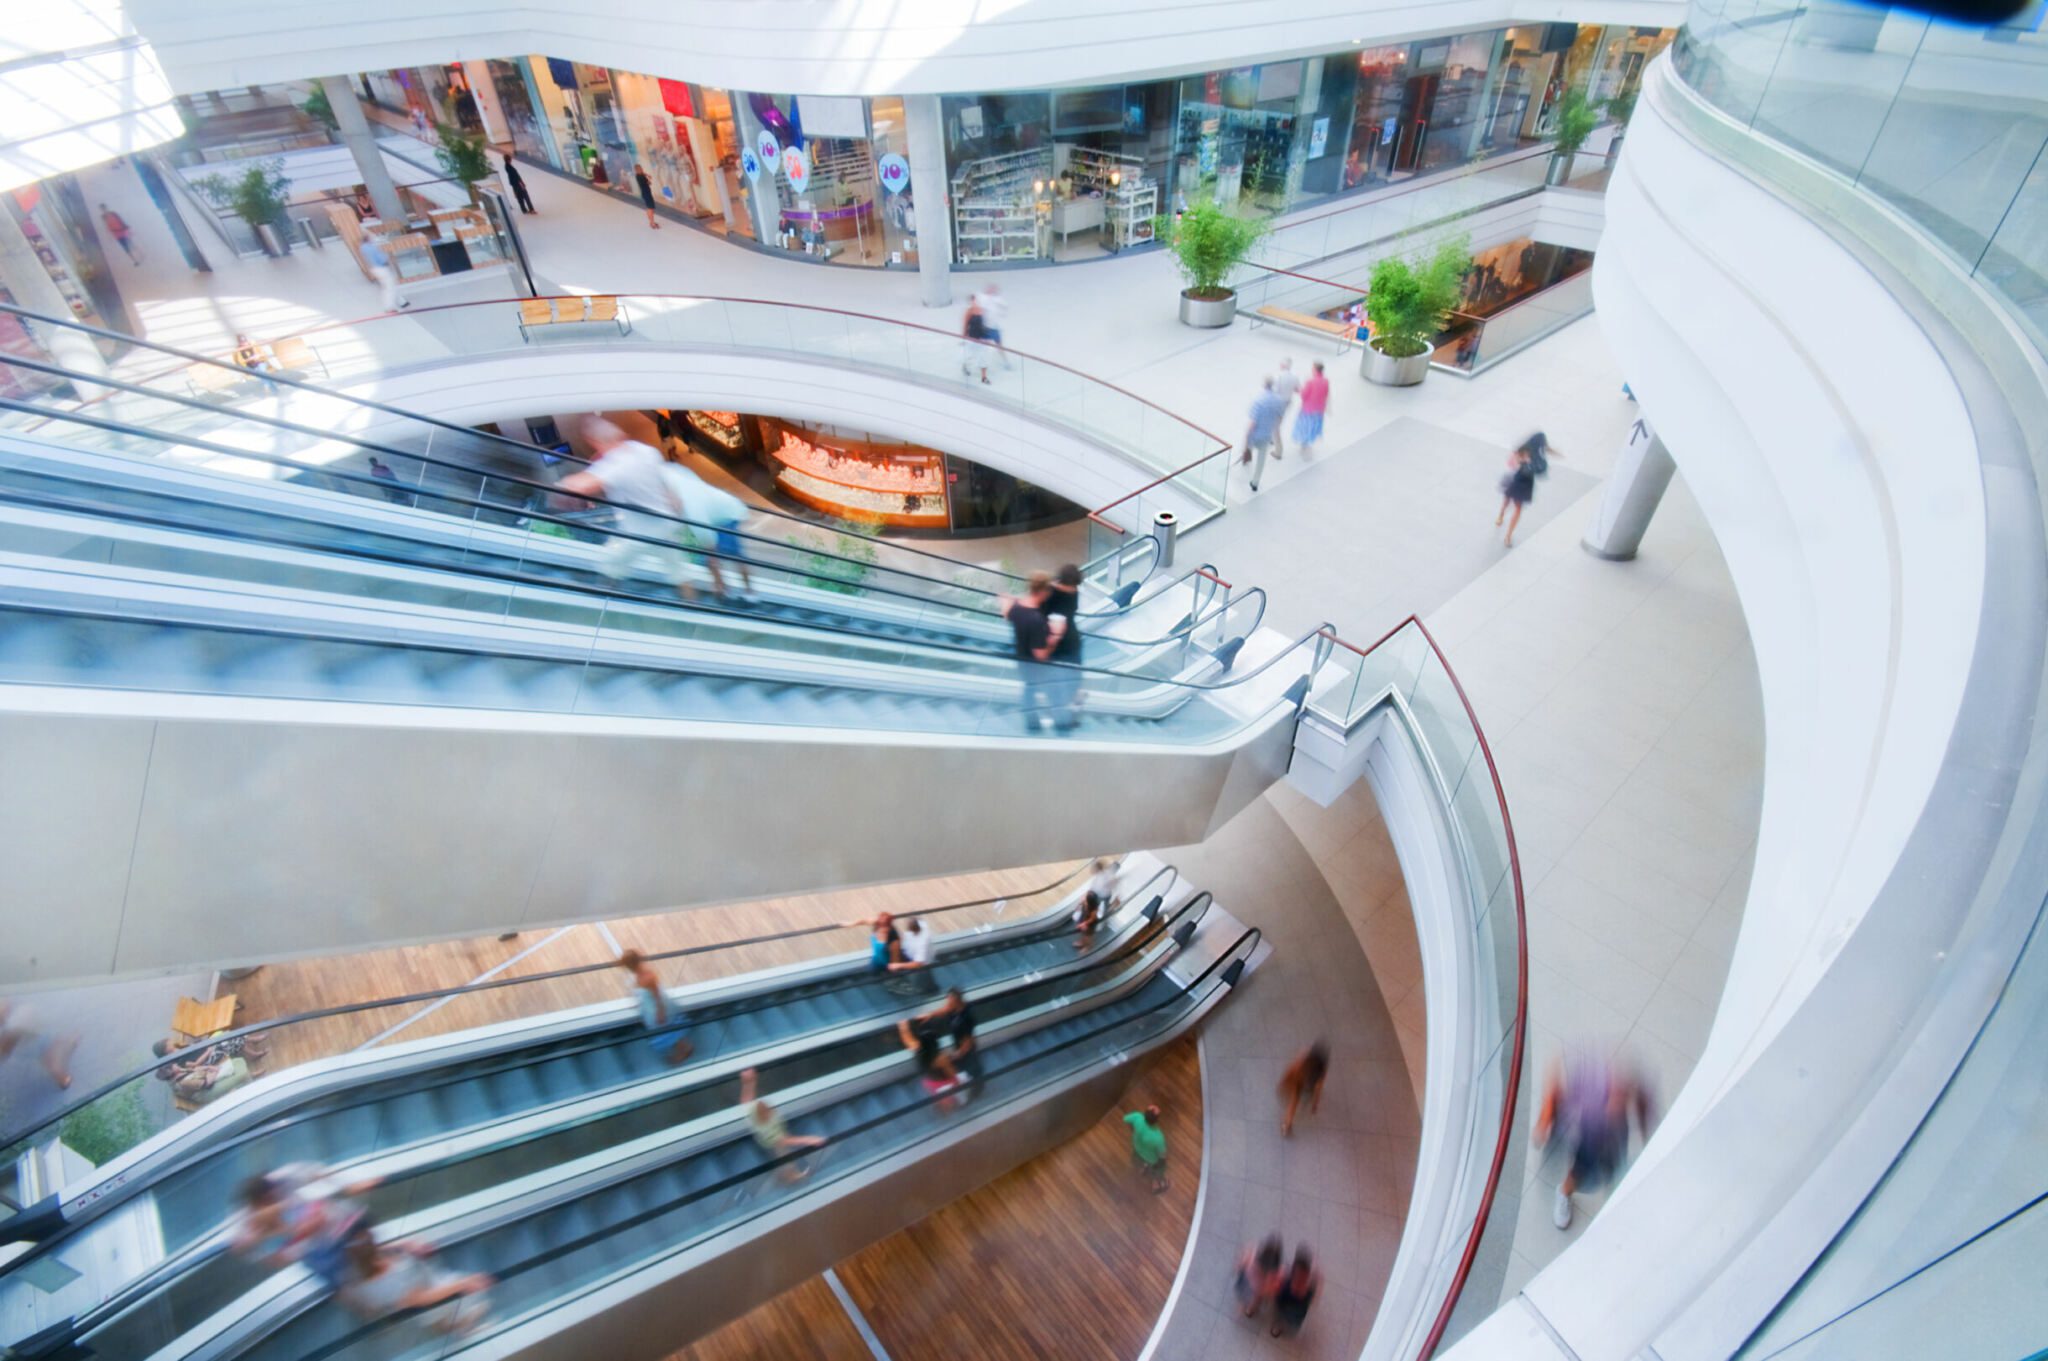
[[587, 589], [1151, 926], [1230, 962]]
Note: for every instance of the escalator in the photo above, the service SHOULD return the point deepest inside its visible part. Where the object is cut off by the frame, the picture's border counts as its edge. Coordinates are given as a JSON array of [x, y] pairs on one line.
[[450, 1119], [616, 1254]]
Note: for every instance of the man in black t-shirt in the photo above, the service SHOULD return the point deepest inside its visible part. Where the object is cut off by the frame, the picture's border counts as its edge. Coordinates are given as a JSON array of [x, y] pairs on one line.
[[1034, 644], [1063, 683]]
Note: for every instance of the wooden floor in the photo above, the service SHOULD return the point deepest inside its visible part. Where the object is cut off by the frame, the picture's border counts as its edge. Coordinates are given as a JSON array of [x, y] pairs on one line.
[[1069, 1256], [312, 984]]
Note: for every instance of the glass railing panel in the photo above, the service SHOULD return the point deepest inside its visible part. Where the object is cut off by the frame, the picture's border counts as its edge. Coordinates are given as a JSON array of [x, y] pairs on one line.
[[764, 326], [2015, 263], [1476, 807], [1835, 79]]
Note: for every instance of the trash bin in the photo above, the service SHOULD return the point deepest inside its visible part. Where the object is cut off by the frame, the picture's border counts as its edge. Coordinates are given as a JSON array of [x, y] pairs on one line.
[[1165, 526], [305, 226]]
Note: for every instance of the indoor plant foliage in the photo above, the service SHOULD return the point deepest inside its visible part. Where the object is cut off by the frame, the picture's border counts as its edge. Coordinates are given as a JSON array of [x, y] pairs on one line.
[[1577, 116], [1406, 302], [462, 158], [319, 109], [257, 195], [1207, 243]]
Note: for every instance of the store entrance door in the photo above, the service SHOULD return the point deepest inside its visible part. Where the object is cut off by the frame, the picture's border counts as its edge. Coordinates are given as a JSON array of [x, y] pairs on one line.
[[1418, 101]]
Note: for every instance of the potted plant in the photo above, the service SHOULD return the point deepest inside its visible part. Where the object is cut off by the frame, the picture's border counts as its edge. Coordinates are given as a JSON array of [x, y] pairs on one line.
[[258, 197], [1405, 303], [462, 159], [1207, 243], [320, 110], [1577, 116]]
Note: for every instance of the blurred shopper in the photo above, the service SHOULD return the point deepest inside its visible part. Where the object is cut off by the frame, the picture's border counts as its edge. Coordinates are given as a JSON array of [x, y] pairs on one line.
[[771, 1132], [1148, 1147], [1297, 1292], [382, 1279], [1261, 436], [646, 187], [1102, 878], [1304, 1078], [974, 341], [629, 474], [1315, 400], [1287, 386], [517, 184], [995, 311], [18, 1029], [959, 1021], [1063, 680], [919, 944], [720, 512], [123, 234], [249, 355], [921, 1036], [885, 950], [288, 1216], [378, 261], [1260, 1270], [381, 470], [658, 1015], [1033, 646], [1529, 461], [1589, 1106], [1087, 917]]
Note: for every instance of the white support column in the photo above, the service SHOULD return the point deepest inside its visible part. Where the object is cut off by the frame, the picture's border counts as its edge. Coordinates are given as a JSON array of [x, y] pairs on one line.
[[925, 129], [484, 91], [354, 130], [1641, 473]]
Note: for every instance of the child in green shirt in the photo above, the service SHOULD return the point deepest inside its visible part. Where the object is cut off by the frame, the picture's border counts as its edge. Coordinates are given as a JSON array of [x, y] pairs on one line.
[[1148, 1146]]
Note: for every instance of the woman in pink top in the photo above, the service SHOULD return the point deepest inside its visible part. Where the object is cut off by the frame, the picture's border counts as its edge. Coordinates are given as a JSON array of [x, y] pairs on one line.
[[1315, 398]]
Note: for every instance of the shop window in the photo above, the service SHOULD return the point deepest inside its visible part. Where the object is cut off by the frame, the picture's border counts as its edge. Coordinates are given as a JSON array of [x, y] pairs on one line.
[[1235, 141]]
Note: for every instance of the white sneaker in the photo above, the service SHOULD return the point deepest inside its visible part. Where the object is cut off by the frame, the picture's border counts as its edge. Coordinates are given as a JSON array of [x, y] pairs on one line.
[[1561, 1213]]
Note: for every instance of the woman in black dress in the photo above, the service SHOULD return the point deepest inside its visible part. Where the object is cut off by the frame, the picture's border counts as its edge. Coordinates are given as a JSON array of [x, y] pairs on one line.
[[1530, 461], [646, 193]]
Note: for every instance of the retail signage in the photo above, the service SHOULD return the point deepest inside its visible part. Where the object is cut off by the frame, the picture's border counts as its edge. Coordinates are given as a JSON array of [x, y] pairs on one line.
[[797, 167], [1318, 137], [1387, 132], [751, 164], [895, 173], [768, 148]]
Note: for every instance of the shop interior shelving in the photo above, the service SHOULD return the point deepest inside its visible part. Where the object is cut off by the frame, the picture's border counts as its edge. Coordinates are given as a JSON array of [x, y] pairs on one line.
[[996, 215]]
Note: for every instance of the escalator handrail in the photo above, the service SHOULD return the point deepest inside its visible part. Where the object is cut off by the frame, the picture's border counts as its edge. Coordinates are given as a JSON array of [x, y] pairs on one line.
[[1117, 950], [710, 607], [554, 1251], [378, 489], [526, 450], [493, 984]]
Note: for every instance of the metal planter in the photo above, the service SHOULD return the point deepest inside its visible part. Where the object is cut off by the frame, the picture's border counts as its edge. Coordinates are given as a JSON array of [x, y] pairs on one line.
[[1388, 371], [1208, 312]]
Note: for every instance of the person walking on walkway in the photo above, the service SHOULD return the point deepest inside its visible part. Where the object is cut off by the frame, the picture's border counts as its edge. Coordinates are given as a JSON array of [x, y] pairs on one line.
[[382, 1279], [1589, 1105], [17, 1029], [123, 234], [995, 310], [919, 943], [720, 512], [646, 193], [1529, 461], [657, 1015], [1289, 387], [974, 340], [1033, 646], [287, 1216], [1260, 1270], [1296, 1293], [1304, 1078], [378, 260], [1315, 400], [1148, 1147], [771, 1132], [921, 1036], [517, 184], [1259, 437]]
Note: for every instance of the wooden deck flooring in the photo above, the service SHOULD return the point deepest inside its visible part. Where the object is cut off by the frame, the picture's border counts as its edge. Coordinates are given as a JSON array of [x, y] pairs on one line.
[[312, 984], [1069, 1257]]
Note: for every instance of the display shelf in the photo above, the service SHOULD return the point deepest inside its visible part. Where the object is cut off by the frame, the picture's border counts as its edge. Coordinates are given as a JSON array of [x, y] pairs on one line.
[[720, 427], [1132, 206], [925, 509]]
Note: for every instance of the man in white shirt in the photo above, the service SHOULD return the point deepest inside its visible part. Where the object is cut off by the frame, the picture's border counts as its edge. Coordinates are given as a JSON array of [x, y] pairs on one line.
[[629, 473], [913, 971], [995, 310], [1288, 387]]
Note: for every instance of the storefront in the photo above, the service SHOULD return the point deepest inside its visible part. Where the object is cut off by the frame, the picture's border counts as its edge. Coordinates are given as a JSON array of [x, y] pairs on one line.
[[1040, 176], [62, 229]]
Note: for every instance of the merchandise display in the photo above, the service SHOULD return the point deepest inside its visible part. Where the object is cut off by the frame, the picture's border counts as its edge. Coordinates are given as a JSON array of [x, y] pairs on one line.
[[720, 427], [1000, 211]]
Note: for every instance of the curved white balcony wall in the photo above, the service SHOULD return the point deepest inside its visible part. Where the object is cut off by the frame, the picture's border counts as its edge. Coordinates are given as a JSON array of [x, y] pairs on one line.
[[553, 379], [852, 47], [78, 85]]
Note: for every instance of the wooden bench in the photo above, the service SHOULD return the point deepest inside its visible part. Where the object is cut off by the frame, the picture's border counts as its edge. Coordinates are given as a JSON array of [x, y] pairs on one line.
[[290, 355], [535, 313], [194, 1019], [1307, 321]]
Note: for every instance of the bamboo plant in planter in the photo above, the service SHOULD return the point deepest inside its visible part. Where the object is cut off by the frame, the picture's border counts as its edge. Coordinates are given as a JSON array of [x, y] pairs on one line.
[[1577, 116], [1406, 303], [1620, 109], [1207, 243], [259, 196], [463, 159]]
